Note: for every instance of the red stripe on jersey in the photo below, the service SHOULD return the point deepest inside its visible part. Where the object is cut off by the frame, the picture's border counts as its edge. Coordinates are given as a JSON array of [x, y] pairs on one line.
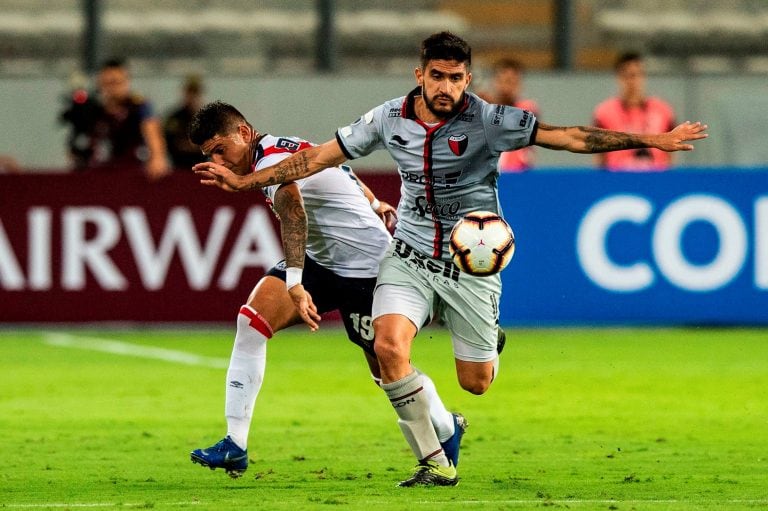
[[429, 186], [257, 321]]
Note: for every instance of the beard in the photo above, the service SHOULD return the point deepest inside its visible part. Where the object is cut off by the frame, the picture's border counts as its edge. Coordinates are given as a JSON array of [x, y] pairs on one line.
[[442, 114]]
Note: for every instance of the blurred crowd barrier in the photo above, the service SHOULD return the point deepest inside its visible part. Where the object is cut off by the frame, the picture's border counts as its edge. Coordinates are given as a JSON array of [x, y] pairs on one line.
[[111, 246], [592, 247]]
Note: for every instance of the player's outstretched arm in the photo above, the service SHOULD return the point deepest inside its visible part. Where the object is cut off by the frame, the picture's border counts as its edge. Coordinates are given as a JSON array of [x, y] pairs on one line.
[[302, 164], [585, 139]]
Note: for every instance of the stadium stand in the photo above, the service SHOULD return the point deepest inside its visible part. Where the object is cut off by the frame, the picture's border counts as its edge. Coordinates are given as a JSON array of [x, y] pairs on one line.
[[38, 37], [710, 36]]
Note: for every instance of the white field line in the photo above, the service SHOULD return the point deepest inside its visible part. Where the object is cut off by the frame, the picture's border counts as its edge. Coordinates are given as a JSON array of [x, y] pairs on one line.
[[132, 350]]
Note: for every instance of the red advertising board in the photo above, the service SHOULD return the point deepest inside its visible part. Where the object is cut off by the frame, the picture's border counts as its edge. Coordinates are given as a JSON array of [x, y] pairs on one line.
[[111, 246]]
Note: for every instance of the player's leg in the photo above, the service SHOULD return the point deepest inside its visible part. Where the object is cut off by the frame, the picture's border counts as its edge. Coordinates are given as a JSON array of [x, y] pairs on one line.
[[401, 305], [357, 298], [403, 384], [405, 387], [268, 310], [471, 312]]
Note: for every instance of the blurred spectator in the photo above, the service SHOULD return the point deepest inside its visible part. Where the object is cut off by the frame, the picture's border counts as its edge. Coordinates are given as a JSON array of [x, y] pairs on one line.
[[9, 165], [117, 128], [81, 113], [508, 76], [183, 152], [634, 112]]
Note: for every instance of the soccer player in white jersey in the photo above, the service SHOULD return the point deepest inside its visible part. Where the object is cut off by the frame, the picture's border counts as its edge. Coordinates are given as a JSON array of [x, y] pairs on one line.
[[331, 260], [446, 142]]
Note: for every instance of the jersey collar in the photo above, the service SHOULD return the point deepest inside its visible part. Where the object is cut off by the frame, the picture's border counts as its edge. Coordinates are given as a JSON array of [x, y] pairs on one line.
[[259, 152]]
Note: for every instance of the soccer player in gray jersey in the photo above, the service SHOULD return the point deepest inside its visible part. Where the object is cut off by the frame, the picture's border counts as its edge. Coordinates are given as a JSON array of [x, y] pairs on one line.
[[446, 142]]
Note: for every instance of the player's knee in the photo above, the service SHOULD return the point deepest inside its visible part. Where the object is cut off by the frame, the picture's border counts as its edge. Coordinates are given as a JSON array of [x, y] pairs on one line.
[[387, 348], [475, 384], [385, 344]]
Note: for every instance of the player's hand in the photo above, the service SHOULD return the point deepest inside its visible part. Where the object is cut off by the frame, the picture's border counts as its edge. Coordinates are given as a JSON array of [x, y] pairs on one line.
[[675, 140], [306, 308], [388, 215], [213, 174]]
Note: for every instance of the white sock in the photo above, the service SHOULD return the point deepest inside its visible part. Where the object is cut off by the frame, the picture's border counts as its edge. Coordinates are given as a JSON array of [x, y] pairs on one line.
[[410, 402], [442, 419], [245, 373]]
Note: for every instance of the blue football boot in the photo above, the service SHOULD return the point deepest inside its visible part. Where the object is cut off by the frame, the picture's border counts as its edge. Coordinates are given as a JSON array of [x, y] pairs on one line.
[[452, 445], [225, 454]]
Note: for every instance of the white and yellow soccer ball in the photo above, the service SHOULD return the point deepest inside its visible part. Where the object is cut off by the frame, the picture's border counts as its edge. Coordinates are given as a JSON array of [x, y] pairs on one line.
[[482, 243]]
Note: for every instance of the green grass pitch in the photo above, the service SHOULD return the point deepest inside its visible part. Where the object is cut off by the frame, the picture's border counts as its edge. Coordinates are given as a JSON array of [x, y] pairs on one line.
[[606, 419]]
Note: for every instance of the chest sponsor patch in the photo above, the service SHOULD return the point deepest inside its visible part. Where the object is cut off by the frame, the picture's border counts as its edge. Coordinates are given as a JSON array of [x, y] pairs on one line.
[[458, 144], [290, 145]]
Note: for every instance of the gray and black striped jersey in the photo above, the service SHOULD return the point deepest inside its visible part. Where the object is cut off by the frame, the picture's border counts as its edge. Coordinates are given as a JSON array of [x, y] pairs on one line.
[[448, 169]]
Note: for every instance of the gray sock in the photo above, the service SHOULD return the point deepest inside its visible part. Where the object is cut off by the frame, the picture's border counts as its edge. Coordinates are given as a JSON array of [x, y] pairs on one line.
[[410, 402]]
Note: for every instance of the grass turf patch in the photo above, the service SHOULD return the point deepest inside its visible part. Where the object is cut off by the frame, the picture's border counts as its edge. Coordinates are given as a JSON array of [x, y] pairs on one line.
[[579, 418]]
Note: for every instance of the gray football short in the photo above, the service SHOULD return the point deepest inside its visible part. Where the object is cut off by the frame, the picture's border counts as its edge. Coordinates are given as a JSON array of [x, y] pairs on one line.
[[416, 286]]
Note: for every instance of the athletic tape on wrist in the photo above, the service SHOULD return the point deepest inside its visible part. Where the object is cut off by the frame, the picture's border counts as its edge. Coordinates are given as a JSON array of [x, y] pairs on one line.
[[375, 203], [292, 277]]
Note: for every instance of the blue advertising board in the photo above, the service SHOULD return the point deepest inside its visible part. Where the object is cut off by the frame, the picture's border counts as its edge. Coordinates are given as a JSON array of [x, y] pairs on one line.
[[674, 248]]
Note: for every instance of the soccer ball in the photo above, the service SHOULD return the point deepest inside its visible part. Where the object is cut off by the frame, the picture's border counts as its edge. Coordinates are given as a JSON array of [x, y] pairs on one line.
[[482, 243]]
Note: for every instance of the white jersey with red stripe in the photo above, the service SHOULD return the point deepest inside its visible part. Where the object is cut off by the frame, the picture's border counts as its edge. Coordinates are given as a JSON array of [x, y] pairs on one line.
[[344, 234], [448, 169]]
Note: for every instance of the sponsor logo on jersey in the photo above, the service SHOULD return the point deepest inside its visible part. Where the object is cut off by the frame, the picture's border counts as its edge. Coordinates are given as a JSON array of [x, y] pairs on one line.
[[288, 144], [498, 115], [394, 112], [446, 180], [447, 210], [466, 117], [399, 140], [458, 144], [445, 269], [525, 119]]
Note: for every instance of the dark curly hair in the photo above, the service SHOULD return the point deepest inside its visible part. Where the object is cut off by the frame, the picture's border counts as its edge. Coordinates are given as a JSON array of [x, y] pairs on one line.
[[445, 46], [217, 118]]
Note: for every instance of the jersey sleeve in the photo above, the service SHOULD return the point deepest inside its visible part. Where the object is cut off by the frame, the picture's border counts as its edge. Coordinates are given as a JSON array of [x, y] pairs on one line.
[[508, 128], [363, 136]]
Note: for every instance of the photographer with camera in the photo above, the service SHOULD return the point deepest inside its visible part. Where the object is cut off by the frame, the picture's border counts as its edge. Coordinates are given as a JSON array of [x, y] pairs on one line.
[[117, 128]]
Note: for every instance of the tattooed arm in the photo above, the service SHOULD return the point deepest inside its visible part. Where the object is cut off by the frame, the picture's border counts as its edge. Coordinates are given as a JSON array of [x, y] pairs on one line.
[[289, 206], [584, 139], [302, 164]]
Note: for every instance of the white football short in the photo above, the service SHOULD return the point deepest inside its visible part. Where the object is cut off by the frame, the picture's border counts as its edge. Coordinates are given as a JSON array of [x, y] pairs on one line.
[[416, 286]]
